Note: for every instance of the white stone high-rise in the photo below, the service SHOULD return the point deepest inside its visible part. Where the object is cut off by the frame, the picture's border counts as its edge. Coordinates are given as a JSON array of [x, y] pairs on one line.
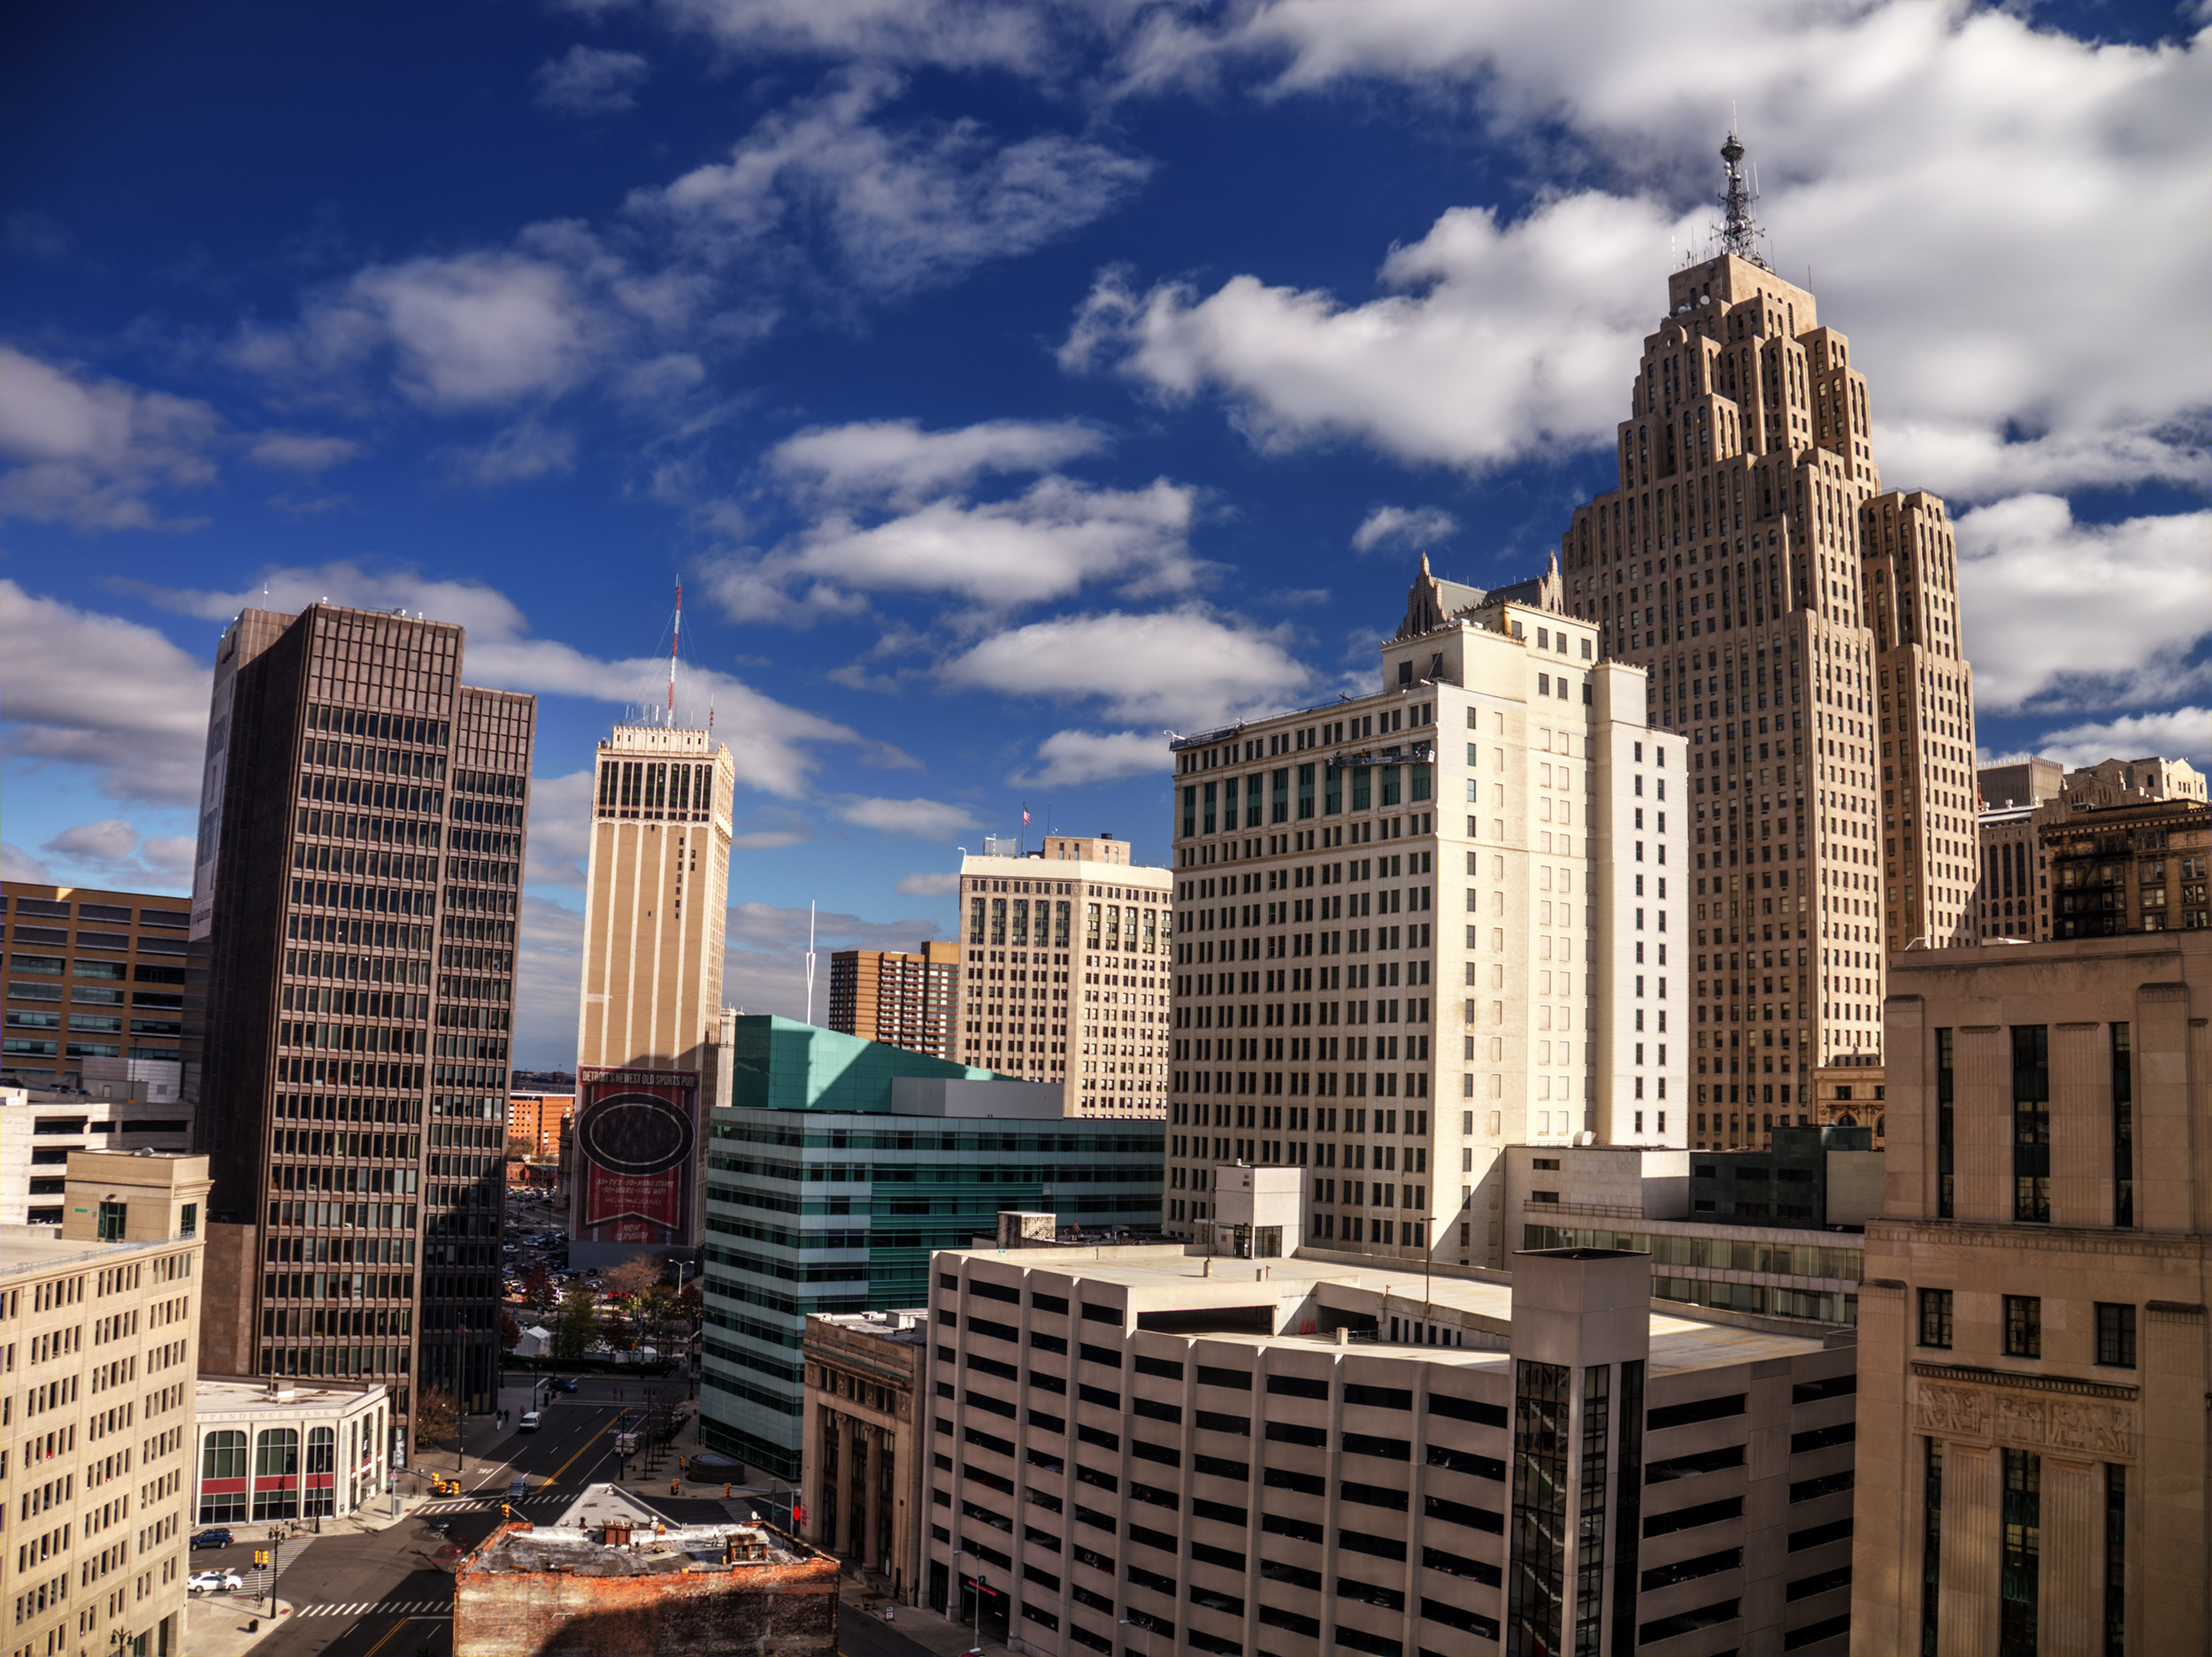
[[1415, 927], [1800, 623]]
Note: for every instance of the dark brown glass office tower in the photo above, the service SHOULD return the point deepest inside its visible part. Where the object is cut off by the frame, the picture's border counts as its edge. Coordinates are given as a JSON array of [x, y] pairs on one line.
[[354, 903]]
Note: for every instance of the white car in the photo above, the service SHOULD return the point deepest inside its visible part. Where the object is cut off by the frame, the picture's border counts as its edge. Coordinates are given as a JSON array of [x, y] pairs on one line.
[[528, 1423], [214, 1582]]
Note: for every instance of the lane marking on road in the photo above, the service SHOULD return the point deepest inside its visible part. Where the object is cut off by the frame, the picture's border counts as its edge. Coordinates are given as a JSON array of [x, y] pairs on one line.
[[554, 1477]]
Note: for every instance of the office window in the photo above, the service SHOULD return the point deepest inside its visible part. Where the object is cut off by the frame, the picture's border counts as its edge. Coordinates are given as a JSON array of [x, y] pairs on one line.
[[2116, 1335], [2032, 1124], [1946, 1078], [2019, 1574], [2024, 1326], [2116, 1558], [1935, 1318], [1931, 1545], [2123, 1128]]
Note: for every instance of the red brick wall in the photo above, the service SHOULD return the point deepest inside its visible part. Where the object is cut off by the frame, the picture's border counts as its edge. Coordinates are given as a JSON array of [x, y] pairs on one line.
[[749, 1611]]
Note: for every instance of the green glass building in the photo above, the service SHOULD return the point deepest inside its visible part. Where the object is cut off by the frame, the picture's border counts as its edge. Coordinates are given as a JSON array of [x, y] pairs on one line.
[[837, 1166]]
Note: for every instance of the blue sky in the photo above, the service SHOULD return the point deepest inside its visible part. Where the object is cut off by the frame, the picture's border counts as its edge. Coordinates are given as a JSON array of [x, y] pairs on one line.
[[1008, 384]]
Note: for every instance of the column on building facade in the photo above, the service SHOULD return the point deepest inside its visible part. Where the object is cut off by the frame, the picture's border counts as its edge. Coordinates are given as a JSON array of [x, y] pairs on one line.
[[1982, 1154], [2081, 1135], [872, 1538], [1972, 1522], [2072, 1605], [2168, 1590]]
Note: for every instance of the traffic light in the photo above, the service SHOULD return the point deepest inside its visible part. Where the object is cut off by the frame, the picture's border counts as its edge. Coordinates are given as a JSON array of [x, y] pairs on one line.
[[260, 1557]]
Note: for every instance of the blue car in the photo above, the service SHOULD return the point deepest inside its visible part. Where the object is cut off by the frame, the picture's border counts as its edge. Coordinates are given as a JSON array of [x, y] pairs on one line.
[[564, 1386], [211, 1539]]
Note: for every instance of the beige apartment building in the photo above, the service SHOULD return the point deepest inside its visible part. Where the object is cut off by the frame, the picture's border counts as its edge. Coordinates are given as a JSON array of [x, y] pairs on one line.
[[1800, 623], [99, 1353], [900, 997], [2038, 811], [1322, 1453], [1416, 927], [2033, 1370], [655, 900], [1064, 972], [656, 907]]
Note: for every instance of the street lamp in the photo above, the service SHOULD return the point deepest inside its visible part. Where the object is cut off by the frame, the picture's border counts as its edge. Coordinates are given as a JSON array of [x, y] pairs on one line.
[[1147, 1627], [977, 1649]]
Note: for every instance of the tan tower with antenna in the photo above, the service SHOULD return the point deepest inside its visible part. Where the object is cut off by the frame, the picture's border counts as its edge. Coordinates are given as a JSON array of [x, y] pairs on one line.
[[656, 899]]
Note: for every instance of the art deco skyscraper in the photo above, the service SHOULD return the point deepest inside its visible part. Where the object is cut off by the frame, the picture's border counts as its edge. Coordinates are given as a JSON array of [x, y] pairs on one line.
[[354, 905], [655, 909], [1800, 623]]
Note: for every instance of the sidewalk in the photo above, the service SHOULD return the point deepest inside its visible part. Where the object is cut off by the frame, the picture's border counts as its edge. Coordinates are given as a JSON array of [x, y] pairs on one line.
[[925, 1628], [217, 1625]]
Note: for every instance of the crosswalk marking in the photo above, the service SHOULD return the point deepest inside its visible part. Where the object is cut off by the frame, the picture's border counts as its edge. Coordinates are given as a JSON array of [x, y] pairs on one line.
[[485, 1504], [363, 1607]]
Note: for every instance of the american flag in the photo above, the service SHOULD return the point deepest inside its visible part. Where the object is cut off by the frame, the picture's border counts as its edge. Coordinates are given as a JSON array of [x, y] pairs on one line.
[[1024, 814]]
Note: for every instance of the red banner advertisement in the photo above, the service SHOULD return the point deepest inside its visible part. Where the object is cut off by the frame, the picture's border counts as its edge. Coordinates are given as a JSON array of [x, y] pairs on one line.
[[636, 1143]]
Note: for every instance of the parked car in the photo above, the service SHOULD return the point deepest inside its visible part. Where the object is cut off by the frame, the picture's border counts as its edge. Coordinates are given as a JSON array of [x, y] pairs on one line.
[[213, 1581], [528, 1423], [211, 1539]]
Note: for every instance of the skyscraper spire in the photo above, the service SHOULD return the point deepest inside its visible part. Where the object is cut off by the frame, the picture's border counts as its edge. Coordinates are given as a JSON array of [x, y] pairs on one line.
[[1739, 233]]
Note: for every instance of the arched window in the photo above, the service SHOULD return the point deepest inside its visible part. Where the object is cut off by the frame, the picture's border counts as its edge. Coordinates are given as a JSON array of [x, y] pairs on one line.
[[276, 1466], [223, 1477], [223, 1455], [322, 1457]]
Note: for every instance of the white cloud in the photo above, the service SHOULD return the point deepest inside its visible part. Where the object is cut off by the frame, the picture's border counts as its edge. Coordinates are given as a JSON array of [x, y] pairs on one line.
[[302, 451], [111, 853], [560, 830], [898, 212], [1180, 666], [1071, 758], [89, 453], [590, 80], [1403, 527], [947, 34], [763, 965], [938, 885], [2085, 614], [765, 839], [549, 988], [527, 449], [925, 820], [481, 330], [898, 462], [18, 864], [776, 748], [1501, 342], [1872, 119], [2177, 733], [1047, 543], [78, 687]]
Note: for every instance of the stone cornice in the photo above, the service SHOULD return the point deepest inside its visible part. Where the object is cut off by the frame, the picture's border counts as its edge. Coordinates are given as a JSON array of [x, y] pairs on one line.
[[1901, 1234], [1975, 1375]]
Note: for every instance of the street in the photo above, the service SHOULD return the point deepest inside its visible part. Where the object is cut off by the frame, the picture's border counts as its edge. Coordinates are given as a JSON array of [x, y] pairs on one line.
[[385, 1592]]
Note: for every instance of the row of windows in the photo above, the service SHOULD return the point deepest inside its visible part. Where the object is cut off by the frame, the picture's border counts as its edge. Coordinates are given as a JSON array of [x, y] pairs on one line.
[[2114, 1341]]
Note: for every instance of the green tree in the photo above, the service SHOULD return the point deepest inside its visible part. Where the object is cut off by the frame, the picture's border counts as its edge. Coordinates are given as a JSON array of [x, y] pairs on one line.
[[578, 1322], [437, 1417]]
